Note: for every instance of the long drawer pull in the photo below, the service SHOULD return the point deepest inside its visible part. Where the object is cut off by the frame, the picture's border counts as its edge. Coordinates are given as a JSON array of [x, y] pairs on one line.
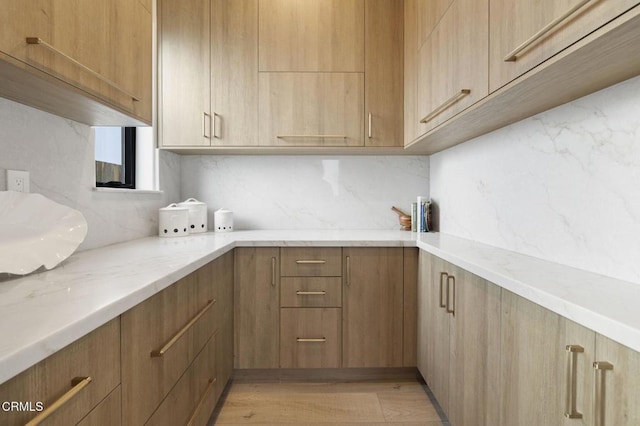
[[347, 278], [443, 278], [210, 386], [571, 412], [452, 100], [370, 130], [452, 309], [77, 384], [311, 136], [311, 262], [39, 41], [307, 340], [273, 272], [511, 57], [160, 352], [311, 293], [598, 404]]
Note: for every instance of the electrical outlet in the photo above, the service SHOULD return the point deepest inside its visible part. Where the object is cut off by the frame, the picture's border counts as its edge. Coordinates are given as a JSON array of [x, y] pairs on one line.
[[18, 180]]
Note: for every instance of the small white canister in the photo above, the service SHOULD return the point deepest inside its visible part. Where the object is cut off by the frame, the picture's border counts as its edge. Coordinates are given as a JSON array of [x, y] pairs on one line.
[[197, 215], [223, 220], [173, 221]]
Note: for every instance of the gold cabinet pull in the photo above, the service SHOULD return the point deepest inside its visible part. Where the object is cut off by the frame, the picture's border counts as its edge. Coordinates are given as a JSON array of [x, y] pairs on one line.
[[452, 100], [452, 310], [311, 136], [311, 262], [210, 386], [571, 411], [599, 392], [273, 272], [206, 118], [40, 42], [312, 340], [311, 293], [77, 384], [160, 352], [443, 277], [511, 57], [370, 130], [348, 272]]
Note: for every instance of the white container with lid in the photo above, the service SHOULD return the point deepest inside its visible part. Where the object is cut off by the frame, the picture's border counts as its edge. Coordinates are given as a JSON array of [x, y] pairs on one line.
[[197, 215], [223, 220], [173, 221]]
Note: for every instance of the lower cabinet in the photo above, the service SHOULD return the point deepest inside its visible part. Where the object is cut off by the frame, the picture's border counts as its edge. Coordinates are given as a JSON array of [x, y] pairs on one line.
[[70, 383], [310, 337], [459, 341]]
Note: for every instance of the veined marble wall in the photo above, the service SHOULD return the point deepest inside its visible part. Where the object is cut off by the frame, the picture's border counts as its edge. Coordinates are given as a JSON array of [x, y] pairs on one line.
[[59, 155], [563, 185], [307, 192]]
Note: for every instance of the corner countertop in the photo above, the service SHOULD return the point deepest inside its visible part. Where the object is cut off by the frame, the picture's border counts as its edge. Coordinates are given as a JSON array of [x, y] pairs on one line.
[[42, 313]]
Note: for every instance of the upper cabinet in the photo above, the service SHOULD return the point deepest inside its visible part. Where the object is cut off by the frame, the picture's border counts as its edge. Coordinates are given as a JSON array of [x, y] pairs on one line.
[[88, 61], [311, 35], [525, 34]]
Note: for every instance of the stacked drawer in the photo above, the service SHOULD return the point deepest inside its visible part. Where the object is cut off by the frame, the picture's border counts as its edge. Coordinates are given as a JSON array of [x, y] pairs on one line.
[[311, 307]]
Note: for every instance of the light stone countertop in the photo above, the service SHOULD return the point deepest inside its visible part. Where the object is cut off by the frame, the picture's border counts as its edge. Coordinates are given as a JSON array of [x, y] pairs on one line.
[[42, 313]]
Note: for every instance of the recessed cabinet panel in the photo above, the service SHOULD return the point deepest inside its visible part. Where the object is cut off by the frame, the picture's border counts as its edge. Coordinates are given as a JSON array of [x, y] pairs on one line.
[[517, 22], [311, 35], [311, 109]]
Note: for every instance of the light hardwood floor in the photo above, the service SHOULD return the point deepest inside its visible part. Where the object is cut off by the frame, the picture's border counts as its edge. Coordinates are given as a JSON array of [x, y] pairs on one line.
[[403, 402]]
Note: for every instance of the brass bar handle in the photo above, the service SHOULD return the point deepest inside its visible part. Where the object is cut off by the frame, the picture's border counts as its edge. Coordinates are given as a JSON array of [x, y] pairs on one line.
[[311, 293], [452, 310], [206, 117], [370, 130], [39, 41], [452, 100], [312, 340], [311, 136], [311, 262], [443, 276], [160, 352], [511, 57], [348, 272], [571, 411], [77, 384], [210, 386], [599, 390], [273, 272]]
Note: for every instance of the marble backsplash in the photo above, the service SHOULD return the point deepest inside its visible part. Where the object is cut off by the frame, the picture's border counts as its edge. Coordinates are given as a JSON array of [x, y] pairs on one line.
[[59, 155], [563, 185], [307, 192]]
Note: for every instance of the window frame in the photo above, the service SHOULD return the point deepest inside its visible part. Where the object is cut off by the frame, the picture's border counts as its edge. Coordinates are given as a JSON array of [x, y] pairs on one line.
[[128, 162]]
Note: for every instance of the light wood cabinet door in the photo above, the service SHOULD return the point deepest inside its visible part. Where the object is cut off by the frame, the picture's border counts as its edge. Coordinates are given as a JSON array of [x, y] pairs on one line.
[[311, 109], [95, 356], [383, 73], [257, 307], [310, 337], [234, 72], [184, 73], [372, 307], [311, 35], [410, 308], [474, 350], [411, 120], [618, 400], [535, 363], [453, 65], [222, 272], [515, 22]]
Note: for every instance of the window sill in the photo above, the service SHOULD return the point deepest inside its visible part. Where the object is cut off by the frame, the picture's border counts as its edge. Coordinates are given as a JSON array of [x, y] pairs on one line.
[[127, 190]]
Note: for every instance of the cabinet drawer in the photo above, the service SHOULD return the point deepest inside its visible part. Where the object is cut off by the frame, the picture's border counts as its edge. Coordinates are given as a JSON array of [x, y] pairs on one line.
[[311, 262], [107, 413], [193, 398], [310, 337], [96, 355], [311, 292], [161, 337]]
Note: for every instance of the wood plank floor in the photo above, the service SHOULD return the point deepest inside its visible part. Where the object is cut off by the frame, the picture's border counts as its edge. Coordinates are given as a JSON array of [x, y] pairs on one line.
[[404, 402]]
